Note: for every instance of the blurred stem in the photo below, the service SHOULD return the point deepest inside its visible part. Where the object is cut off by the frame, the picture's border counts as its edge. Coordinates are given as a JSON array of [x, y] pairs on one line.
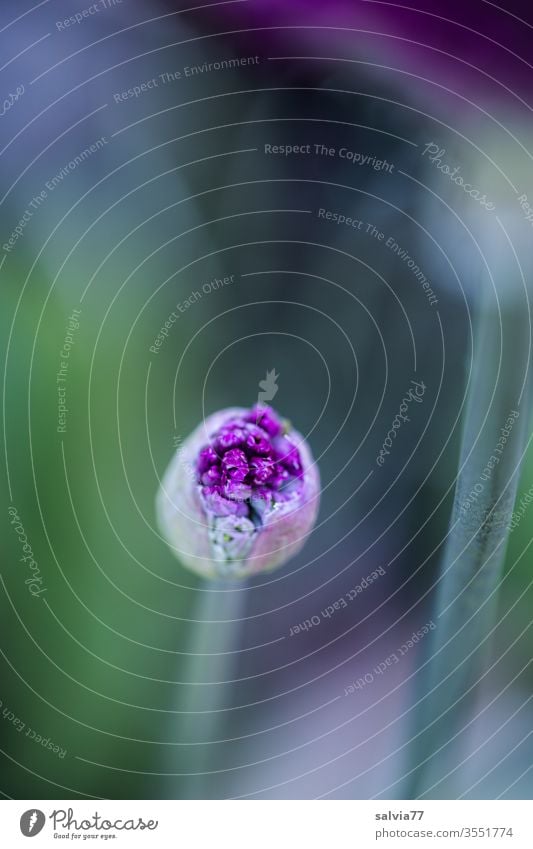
[[212, 658], [474, 554]]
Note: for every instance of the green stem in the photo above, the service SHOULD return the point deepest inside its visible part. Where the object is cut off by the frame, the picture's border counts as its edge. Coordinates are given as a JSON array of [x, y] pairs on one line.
[[203, 698], [475, 548]]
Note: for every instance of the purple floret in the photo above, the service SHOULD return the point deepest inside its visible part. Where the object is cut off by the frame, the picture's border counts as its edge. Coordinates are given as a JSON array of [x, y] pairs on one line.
[[229, 437], [266, 419], [235, 459], [213, 476], [206, 458], [248, 466]]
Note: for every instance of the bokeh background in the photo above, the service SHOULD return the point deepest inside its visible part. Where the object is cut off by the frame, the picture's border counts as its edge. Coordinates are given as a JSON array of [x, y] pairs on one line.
[[146, 683]]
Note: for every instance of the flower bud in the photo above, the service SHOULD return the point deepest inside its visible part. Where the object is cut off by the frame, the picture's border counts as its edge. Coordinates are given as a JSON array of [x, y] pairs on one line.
[[240, 495]]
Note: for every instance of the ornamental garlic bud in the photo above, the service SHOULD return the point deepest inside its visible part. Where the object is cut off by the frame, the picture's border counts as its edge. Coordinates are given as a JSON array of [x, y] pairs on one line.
[[240, 495]]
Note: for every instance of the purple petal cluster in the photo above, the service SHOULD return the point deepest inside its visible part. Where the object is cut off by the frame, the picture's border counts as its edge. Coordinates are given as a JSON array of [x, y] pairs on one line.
[[241, 494], [248, 465]]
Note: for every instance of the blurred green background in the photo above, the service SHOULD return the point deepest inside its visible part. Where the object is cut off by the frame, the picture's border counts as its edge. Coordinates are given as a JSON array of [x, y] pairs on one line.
[[182, 192]]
